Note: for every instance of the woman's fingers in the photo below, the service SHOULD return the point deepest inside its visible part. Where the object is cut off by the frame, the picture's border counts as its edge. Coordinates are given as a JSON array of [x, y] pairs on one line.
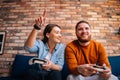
[[43, 16], [41, 20], [44, 13]]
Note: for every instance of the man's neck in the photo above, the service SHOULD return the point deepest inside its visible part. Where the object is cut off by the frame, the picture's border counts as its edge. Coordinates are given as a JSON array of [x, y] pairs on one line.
[[84, 44]]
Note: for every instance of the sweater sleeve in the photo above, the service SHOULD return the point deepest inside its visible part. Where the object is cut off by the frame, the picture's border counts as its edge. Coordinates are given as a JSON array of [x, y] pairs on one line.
[[103, 57], [71, 60]]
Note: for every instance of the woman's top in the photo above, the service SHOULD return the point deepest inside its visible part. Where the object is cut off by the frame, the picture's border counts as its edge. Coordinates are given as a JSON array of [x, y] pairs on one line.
[[57, 56]]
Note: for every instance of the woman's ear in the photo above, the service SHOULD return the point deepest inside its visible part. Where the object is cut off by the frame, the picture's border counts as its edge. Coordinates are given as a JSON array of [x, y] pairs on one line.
[[47, 35]]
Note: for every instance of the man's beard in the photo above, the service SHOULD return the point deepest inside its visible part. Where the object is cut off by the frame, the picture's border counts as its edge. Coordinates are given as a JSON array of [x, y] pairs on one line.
[[84, 40]]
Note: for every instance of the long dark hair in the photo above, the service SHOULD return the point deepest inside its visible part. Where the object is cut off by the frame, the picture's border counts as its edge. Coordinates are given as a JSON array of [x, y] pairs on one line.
[[48, 29]]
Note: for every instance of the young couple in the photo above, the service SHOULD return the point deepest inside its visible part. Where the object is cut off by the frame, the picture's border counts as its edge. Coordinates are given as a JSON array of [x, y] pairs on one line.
[[81, 54]]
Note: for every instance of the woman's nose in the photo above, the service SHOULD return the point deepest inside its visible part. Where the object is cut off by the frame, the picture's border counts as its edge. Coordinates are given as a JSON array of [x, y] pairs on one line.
[[60, 35]]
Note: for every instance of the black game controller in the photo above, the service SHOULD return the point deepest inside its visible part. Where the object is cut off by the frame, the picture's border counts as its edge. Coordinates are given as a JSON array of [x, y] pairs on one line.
[[99, 68], [37, 60]]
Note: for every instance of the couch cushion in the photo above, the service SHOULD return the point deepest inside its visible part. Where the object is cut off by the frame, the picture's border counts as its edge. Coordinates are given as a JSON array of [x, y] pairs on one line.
[[65, 71], [115, 64], [20, 65], [9, 78]]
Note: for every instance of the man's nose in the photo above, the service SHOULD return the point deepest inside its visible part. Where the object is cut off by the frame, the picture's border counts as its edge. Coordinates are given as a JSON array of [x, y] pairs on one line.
[[84, 30]]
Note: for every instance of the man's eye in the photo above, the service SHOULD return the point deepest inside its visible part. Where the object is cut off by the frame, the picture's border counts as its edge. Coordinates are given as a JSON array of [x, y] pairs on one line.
[[87, 28]]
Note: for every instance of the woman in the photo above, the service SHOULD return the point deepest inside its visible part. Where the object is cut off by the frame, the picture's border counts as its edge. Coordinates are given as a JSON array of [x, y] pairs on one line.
[[48, 48]]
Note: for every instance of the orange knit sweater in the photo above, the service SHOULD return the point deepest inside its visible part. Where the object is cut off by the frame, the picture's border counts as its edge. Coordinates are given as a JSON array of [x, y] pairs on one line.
[[94, 53]]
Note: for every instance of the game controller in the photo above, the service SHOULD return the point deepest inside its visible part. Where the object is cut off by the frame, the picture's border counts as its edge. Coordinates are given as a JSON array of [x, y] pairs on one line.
[[99, 68], [37, 60]]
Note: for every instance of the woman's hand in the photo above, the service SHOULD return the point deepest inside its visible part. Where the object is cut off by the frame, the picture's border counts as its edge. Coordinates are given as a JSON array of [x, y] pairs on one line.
[[41, 20], [48, 65], [86, 69]]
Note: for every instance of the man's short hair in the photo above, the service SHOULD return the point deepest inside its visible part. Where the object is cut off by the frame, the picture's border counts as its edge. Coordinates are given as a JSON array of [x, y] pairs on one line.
[[80, 23]]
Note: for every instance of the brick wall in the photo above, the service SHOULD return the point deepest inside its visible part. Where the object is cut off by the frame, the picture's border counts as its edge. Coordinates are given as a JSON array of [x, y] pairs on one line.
[[17, 19]]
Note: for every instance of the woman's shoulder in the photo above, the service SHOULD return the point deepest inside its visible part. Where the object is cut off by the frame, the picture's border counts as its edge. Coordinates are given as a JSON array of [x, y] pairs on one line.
[[39, 42], [61, 45]]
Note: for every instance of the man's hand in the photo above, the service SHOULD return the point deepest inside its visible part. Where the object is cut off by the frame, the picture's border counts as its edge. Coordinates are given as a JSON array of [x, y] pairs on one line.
[[105, 73], [41, 20], [99, 68], [86, 69]]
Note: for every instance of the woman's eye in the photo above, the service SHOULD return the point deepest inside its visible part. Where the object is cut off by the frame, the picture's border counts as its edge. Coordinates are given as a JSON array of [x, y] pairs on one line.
[[80, 29], [57, 32]]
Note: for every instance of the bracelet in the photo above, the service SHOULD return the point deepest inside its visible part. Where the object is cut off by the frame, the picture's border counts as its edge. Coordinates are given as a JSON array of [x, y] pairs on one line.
[[36, 27]]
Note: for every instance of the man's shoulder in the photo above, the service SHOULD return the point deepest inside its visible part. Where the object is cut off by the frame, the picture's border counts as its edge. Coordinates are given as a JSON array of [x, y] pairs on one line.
[[72, 43], [97, 43]]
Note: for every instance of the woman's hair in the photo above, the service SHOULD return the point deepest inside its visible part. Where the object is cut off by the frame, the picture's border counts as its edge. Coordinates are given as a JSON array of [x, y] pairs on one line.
[[48, 29], [80, 23]]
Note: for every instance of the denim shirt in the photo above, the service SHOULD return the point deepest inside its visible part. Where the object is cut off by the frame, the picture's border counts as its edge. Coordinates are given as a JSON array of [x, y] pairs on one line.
[[42, 49]]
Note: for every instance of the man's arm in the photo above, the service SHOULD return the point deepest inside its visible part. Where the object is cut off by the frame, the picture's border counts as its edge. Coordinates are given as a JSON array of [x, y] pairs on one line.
[[103, 60], [71, 60]]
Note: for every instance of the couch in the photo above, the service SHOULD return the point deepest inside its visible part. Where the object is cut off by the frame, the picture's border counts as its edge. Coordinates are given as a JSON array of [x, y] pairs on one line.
[[20, 66]]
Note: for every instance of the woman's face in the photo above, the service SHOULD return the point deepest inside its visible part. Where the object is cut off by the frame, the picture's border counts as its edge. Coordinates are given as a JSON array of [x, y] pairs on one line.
[[54, 35]]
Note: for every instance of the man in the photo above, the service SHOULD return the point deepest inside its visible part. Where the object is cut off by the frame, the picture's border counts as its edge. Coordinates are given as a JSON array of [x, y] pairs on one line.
[[84, 55]]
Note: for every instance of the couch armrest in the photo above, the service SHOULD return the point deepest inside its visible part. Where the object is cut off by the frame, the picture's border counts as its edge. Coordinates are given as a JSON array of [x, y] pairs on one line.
[[115, 64]]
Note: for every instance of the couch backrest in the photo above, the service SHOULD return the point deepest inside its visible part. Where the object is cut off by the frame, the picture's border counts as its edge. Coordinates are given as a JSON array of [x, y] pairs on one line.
[[65, 71], [20, 65]]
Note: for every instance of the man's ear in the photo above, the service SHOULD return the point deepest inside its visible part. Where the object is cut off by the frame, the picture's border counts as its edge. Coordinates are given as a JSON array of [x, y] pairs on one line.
[[47, 35]]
